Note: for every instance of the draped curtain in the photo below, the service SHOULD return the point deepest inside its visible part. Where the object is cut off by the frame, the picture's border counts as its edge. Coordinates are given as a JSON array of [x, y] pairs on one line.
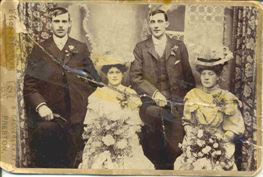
[[35, 18], [244, 80]]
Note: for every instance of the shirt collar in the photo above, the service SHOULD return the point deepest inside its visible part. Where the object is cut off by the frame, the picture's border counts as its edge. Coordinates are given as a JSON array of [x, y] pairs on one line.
[[60, 42], [162, 40]]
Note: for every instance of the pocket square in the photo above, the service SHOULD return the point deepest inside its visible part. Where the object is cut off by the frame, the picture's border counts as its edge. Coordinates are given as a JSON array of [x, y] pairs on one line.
[[176, 62]]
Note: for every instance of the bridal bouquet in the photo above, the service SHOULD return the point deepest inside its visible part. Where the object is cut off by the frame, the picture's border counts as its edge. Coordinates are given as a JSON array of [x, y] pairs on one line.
[[205, 148], [109, 141]]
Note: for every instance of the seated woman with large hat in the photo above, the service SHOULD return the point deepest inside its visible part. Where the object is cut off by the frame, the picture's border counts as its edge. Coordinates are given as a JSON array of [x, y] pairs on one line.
[[112, 124], [212, 118]]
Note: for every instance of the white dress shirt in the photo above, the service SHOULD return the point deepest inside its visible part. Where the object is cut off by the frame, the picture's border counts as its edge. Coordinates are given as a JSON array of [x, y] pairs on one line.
[[159, 44], [60, 42]]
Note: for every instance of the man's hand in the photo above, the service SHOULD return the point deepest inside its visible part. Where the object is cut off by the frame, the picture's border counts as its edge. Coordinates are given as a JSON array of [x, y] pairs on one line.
[[45, 112], [229, 136], [159, 99]]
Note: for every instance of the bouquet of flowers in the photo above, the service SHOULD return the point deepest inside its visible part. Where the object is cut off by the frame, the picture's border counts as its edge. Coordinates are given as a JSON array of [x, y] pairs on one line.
[[109, 141], [204, 148]]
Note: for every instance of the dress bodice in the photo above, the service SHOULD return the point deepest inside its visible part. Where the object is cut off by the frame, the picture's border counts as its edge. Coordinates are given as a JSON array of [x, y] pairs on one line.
[[218, 108], [105, 102]]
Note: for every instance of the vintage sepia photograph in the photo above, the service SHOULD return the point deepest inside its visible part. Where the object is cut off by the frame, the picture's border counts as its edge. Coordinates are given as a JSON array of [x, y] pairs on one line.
[[114, 85]]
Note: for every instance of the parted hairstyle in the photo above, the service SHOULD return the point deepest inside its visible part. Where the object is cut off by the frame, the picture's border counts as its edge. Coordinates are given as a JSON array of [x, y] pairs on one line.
[[159, 11], [58, 11]]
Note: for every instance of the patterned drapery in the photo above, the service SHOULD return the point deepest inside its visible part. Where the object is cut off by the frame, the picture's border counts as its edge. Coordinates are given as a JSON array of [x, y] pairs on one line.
[[35, 18], [244, 82]]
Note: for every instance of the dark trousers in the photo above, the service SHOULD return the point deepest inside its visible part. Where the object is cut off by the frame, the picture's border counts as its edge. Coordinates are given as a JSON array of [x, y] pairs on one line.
[[160, 135], [55, 146]]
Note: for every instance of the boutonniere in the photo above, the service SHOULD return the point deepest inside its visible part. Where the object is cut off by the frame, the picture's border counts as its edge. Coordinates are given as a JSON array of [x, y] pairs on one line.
[[71, 50], [174, 50]]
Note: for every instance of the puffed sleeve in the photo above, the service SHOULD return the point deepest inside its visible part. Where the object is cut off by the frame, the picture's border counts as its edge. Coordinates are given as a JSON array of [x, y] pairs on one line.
[[93, 108], [134, 101], [190, 107], [233, 119]]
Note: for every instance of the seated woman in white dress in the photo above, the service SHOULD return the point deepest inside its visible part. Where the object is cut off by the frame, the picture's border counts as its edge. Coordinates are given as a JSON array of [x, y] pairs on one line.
[[212, 119], [112, 124]]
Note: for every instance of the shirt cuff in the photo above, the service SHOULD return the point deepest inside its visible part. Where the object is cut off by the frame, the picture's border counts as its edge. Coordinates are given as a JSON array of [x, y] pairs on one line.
[[41, 104], [154, 93]]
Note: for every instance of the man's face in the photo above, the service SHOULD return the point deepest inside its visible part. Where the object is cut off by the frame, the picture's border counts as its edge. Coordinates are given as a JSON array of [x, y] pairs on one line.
[[61, 25], [158, 25]]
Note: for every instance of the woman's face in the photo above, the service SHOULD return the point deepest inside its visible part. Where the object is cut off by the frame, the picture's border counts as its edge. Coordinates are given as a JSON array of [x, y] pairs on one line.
[[209, 79], [114, 76]]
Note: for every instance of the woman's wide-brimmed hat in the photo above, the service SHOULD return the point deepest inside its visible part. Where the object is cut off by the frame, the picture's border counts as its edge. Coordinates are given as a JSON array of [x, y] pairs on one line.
[[109, 61], [213, 58]]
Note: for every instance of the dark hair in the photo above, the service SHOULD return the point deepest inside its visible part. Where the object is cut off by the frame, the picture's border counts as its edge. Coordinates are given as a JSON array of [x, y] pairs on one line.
[[217, 68], [106, 68], [159, 11], [58, 11]]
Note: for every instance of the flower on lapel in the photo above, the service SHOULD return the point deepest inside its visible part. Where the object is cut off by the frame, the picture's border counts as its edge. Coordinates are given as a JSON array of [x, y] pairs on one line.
[[174, 49], [67, 53], [71, 50], [71, 47]]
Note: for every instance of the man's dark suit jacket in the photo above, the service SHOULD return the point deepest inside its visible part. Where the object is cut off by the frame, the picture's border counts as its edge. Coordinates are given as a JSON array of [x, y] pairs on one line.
[[46, 81], [144, 78], [144, 72]]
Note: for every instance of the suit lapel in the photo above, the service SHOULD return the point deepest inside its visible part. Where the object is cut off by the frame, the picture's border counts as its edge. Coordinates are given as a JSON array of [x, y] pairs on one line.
[[151, 48], [53, 49], [59, 54], [168, 48], [66, 47]]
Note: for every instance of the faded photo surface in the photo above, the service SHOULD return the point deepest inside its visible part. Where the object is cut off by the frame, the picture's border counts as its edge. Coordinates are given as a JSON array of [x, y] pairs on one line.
[[137, 86]]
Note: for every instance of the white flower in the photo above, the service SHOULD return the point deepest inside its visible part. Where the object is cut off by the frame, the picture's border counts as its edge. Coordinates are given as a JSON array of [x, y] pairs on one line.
[[175, 47], [218, 152], [200, 154], [214, 154], [173, 50], [211, 140], [215, 145], [108, 140], [180, 145], [219, 136], [71, 47], [200, 143], [206, 150], [200, 133], [195, 155], [122, 144]]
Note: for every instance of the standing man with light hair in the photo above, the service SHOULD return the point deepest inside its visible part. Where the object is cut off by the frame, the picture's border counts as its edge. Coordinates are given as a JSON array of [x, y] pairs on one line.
[[162, 73], [55, 99]]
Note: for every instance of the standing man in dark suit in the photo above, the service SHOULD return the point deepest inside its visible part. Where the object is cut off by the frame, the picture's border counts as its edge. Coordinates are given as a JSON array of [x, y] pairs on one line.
[[162, 72], [55, 99]]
